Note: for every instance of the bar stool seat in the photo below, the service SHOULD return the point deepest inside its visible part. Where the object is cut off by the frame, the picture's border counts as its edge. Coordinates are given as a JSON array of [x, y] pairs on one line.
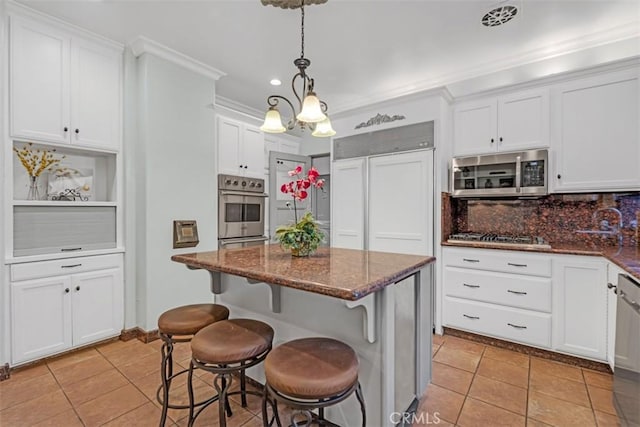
[[231, 341], [175, 326], [312, 368], [311, 373], [189, 319], [225, 348]]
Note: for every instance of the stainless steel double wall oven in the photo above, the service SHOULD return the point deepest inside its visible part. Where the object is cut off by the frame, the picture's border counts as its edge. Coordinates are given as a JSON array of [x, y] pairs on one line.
[[241, 211]]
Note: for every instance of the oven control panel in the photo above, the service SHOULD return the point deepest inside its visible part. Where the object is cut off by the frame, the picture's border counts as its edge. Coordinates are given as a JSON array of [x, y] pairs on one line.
[[240, 183]]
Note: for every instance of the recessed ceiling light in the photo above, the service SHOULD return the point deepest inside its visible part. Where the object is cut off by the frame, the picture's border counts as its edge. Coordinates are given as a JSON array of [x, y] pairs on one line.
[[275, 82], [499, 15]]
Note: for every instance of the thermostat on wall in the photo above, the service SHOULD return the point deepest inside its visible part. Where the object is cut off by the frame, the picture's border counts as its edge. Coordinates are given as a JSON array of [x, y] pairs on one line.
[[185, 234]]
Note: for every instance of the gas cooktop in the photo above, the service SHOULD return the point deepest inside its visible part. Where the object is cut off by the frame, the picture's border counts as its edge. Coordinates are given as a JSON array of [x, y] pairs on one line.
[[497, 239]]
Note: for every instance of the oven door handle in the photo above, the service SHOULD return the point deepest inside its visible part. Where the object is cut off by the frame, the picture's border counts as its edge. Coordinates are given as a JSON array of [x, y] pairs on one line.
[[224, 242], [242, 193]]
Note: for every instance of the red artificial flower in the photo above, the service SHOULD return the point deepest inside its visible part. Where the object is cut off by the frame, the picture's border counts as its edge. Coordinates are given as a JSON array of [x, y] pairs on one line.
[[296, 171], [301, 195], [319, 183]]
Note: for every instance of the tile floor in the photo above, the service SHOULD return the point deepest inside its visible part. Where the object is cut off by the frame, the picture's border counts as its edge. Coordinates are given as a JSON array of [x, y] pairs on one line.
[[479, 385], [114, 384]]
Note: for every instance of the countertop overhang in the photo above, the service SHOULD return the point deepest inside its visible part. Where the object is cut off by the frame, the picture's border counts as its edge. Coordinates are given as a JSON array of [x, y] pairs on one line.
[[625, 257], [348, 274]]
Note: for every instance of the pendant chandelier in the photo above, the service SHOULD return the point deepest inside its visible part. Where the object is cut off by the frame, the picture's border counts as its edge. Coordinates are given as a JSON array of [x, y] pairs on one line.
[[312, 110]]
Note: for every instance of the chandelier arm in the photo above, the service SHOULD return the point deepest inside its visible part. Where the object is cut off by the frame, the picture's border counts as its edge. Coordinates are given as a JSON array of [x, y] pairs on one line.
[[273, 101], [323, 106], [305, 80]]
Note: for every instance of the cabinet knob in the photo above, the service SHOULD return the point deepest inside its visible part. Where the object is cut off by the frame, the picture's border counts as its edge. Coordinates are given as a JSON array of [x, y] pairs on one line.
[[492, 140], [559, 176], [77, 131], [246, 167], [66, 291], [500, 139], [77, 288], [66, 129], [612, 286]]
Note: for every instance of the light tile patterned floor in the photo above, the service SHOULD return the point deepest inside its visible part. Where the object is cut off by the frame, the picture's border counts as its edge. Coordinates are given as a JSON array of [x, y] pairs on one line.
[[479, 385], [114, 384]]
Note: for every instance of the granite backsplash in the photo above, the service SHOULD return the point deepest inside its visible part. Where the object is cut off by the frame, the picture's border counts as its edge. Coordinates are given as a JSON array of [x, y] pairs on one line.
[[556, 218]]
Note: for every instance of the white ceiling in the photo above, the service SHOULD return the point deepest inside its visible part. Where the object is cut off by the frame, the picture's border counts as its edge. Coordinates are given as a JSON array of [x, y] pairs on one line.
[[361, 51]]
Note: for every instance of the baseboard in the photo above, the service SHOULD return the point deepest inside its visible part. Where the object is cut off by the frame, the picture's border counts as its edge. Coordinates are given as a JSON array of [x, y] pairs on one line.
[[139, 333], [531, 351], [5, 372]]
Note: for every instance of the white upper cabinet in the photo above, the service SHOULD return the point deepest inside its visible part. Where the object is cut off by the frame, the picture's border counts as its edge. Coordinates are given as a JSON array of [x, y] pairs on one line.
[[39, 90], [240, 148], [276, 143], [95, 95], [507, 123], [596, 133], [63, 88]]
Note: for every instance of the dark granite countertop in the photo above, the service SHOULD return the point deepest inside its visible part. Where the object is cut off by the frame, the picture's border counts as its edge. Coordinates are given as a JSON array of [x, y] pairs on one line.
[[342, 273], [627, 257]]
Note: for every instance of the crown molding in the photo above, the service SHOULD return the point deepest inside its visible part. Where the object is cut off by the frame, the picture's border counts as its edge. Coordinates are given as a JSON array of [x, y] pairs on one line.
[[14, 8], [612, 35], [238, 107], [142, 44], [379, 103]]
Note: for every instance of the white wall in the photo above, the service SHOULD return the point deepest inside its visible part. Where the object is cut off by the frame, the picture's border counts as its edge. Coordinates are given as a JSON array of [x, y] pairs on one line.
[[4, 136], [310, 145], [173, 175]]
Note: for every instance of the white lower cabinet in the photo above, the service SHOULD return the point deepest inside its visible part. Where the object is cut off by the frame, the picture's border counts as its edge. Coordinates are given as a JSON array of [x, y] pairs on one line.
[[524, 326], [483, 295], [612, 305], [558, 302], [53, 314], [580, 306]]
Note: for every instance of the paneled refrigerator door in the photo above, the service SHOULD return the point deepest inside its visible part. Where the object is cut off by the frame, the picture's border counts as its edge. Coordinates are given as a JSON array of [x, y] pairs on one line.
[[401, 203], [348, 200]]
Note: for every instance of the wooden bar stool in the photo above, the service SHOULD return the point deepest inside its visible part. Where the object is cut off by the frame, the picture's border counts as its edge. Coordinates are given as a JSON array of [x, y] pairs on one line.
[[180, 324], [308, 374], [224, 348]]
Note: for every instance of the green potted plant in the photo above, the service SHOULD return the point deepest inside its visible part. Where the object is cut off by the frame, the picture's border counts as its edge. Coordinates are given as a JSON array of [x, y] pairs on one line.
[[301, 237]]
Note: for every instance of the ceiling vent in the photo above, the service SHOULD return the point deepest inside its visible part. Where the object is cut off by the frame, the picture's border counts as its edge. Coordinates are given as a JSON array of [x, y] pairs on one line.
[[499, 15]]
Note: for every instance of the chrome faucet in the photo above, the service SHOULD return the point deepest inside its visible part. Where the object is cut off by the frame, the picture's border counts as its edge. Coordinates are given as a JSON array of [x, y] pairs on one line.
[[604, 224], [604, 227]]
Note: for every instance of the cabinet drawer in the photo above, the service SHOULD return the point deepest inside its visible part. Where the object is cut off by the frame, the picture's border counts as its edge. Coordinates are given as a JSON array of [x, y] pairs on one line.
[[531, 293], [497, 260], [513, 324], [37, 270]]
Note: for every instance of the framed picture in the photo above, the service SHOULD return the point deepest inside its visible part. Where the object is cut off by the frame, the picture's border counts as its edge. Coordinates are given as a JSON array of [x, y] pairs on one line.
[[185, 234]]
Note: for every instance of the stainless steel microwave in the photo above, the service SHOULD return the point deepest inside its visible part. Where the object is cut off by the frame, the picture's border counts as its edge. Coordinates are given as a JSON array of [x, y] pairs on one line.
[[517, 174]]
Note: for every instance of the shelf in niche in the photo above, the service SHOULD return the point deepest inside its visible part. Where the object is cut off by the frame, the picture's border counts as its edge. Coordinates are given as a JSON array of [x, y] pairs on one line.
[[60, 203], [96, 170]]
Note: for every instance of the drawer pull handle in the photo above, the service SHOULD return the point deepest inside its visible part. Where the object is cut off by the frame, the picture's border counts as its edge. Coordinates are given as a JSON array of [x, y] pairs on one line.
[[70, 249], [516, 326], [471, 317], [470, 260], [470, 286], [516, 292], [516, 265], [71, 266]]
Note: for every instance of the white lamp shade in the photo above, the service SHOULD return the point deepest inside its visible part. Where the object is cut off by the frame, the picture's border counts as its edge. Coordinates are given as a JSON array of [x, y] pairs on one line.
[[324, 129], [272, 122], [311, 111]]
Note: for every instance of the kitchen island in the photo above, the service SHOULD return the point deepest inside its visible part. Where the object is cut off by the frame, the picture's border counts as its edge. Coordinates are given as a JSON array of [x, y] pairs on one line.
[[378, 303]]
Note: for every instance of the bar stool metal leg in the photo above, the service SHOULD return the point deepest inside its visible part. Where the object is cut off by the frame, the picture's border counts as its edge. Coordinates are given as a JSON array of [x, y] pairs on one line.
[[362, 407], [167, 374]]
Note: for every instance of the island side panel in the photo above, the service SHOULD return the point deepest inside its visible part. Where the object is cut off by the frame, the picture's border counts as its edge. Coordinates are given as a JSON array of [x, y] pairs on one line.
[[307, 314]]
